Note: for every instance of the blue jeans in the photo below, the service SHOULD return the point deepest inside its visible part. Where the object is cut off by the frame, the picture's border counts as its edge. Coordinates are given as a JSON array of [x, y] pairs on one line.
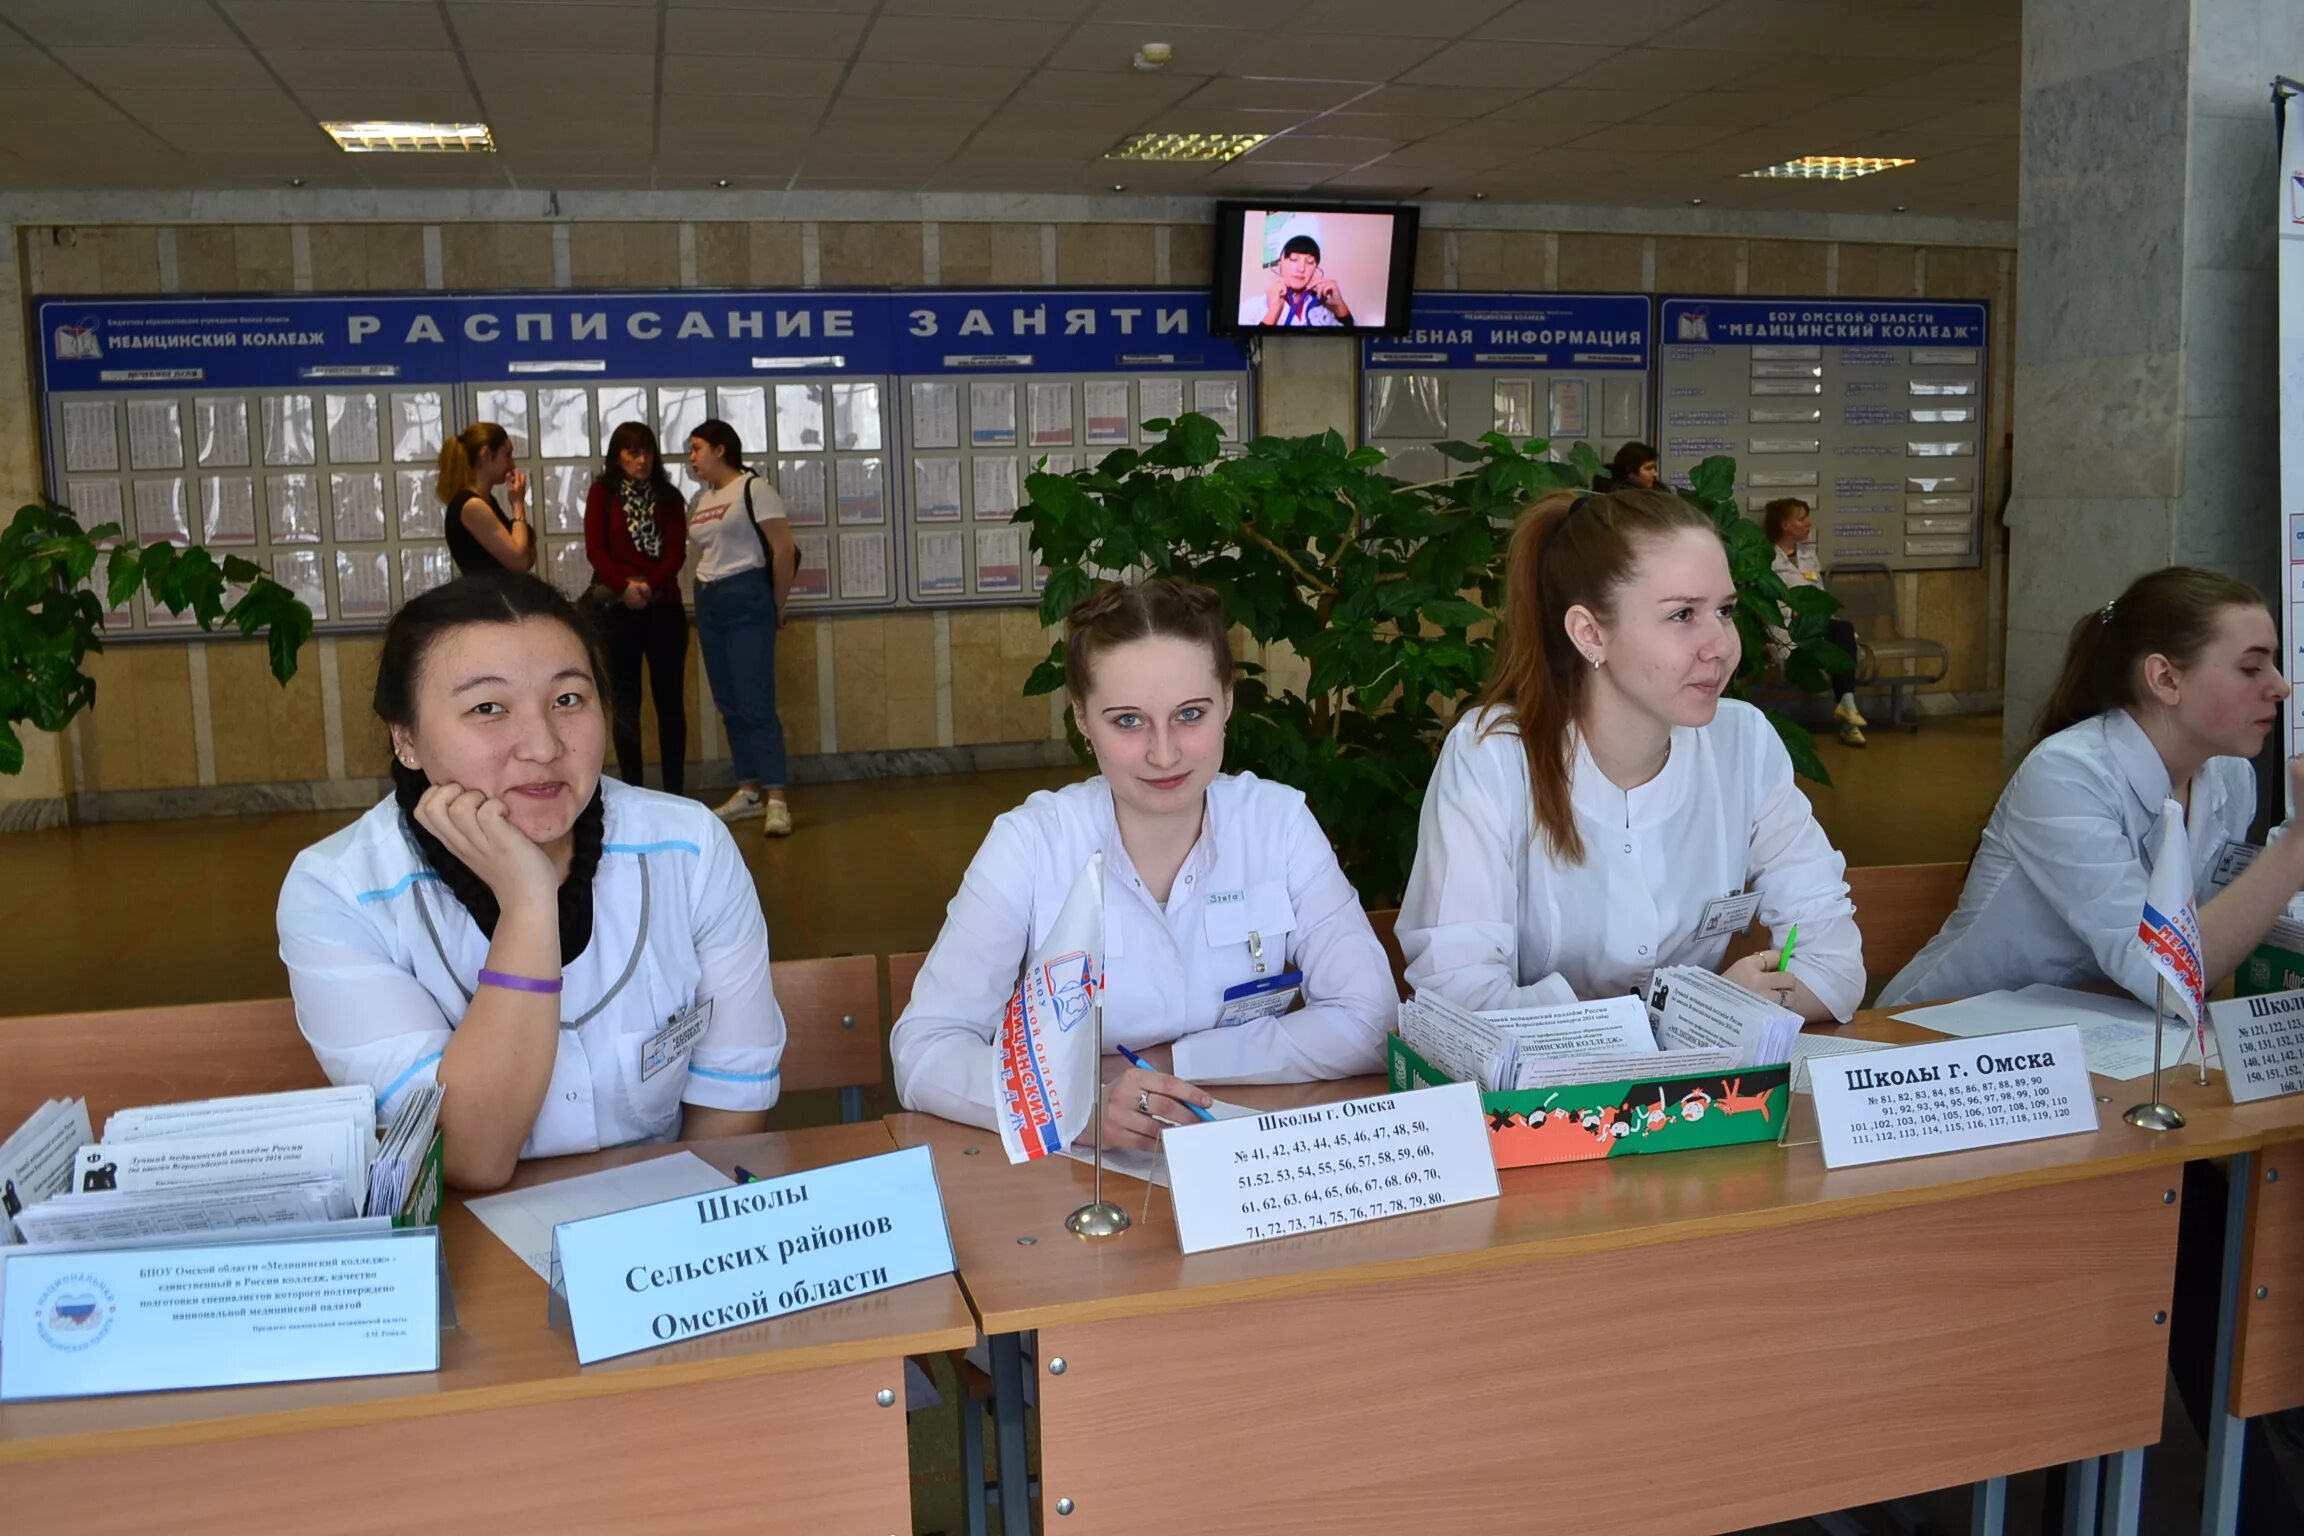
[[736, 626]]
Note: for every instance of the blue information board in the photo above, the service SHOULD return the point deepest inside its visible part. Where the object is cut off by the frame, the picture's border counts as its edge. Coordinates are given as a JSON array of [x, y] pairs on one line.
[[1079, 330], [253, 342], [683, 334], [1824, 322], [1559, 332]]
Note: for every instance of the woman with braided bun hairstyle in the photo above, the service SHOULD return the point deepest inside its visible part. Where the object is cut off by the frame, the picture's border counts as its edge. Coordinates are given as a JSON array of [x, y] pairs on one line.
[[1602, 811], [2167, 691], [578, 963], [1223, 901]]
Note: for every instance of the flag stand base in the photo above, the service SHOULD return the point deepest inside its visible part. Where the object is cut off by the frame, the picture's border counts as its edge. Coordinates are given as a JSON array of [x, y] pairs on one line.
[[2155, 1117], [1099, 1218]]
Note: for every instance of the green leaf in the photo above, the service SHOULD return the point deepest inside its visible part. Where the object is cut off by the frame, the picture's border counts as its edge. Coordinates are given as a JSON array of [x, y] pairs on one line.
[[11, 750], [123, 574], [1462, 453]]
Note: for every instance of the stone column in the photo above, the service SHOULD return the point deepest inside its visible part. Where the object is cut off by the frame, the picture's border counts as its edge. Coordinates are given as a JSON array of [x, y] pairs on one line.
[[2147, 396]]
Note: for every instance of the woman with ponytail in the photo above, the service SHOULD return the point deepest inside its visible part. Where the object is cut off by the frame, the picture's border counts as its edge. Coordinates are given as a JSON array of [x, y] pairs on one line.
[[484, 540], [578, 962], [1602, 811], [1223, 902], [2167, 691]]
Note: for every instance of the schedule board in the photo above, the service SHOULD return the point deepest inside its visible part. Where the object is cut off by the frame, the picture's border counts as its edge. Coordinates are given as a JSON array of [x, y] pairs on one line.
[[1870, 410], [1569, 367], [303, 430]]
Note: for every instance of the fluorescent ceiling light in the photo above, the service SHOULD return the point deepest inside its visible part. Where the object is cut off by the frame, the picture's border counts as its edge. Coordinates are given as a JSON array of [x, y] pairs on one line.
[[1827, 167], [395, 138], [1185, 146]]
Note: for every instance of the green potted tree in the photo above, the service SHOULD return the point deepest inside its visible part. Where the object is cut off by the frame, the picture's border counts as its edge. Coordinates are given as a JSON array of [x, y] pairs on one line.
[[51, 617]]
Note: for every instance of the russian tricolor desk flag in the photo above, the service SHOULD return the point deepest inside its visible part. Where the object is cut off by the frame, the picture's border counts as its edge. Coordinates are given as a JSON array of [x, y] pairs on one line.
[[2171, 928], [1046, 1058]]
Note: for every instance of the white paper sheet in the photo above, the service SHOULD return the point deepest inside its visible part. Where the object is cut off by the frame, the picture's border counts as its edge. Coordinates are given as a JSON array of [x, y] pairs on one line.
[[523, 1219], [155, 435], [935, 415], [353, 430], [91, 442], [992, 415], [1149, 1166], [936, 490], [1106, 407], [943, 563], [2115, 1032], [863, 566], [221, 424]]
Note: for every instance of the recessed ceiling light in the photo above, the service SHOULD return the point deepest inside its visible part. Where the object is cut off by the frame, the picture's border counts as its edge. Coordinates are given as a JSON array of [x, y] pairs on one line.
[[1184, 146], [1899, 207], [398, 138], [1151, 57], [1119, 186], [722, 182], [1828, 167], [295, 181], [1479, 197], [1695, 202]]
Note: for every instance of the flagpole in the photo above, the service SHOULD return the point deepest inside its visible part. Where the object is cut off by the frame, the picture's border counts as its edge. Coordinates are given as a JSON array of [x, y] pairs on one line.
[[1099, 1218], [2158, 1115]]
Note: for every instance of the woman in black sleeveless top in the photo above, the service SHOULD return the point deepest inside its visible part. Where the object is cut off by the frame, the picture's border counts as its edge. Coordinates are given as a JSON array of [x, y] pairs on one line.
[[481, 539]]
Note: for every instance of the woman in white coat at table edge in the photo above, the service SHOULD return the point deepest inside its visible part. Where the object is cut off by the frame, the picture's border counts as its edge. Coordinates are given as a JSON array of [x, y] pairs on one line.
[[1211, 881], [1602, 811]]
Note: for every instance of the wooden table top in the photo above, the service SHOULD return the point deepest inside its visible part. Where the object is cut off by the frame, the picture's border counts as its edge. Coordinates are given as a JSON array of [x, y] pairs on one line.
[[502, 1352], [1024, 1270]]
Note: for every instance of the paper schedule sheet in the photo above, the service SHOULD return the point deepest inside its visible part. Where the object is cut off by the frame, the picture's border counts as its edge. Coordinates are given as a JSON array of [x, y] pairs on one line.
[[523, 1219], [2115, 1032]]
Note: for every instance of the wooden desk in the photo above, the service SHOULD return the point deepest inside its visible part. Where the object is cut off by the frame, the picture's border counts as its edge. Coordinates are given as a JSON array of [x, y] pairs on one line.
[[771, 1427], [2267, 1369], [1673, 1344]]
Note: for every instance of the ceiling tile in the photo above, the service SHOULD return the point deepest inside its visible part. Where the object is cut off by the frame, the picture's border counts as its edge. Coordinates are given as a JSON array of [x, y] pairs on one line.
[[1391, 18], [721, 113], [1324, 150], [511, 26], [960, 82], [1187, 13], [698, 144], [1296, 56], [86, 141], [1812, 76], [936, 40], [450, 105], [1526, 65], [1112, 50], [101, 23], [1380, 125], [1094, 88], [1273, 95], [1999, 117], [776, 34], [1651, 138], [1252, 175], [1190, 119], [1010, 10], [402, 24], [118, 70], [1591, 107], [1725, 109], [931, 121], [1441, 101], [1384, 179], [273, 106], [341, 70], [1656, 69], [28, 69], [253, 140], [1851, 116], [61, 107], [1059, 116], [1619, 22], [702, 75]]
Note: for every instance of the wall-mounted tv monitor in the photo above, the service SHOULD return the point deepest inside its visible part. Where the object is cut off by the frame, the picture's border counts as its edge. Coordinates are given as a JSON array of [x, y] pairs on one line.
[[1295, 267]]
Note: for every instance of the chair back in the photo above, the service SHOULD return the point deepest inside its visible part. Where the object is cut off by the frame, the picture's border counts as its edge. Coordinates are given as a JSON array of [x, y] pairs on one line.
[[1867, 595], [831, 1021], [125, 1056]]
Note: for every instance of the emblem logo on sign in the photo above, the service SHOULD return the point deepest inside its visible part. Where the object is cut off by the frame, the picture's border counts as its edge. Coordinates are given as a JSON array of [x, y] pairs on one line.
[[75, 1313], [77, 341], [1692, 325]]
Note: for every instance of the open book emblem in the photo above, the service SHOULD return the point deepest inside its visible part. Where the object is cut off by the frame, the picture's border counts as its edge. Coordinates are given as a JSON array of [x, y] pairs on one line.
[[78, 341]]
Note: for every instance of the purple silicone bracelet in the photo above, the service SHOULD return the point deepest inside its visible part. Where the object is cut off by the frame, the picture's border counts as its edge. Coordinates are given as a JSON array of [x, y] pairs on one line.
[[518, 983]]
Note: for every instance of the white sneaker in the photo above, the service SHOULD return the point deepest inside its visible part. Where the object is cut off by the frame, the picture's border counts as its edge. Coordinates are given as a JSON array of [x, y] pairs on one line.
[[743, 804], [1847, 713], [776, 821]]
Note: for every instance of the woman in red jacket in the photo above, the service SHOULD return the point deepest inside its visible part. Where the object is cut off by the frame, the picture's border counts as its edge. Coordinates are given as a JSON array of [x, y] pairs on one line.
[[636, 535]]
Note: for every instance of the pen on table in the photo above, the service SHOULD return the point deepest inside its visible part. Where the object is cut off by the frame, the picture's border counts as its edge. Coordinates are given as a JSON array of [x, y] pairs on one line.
[[1784, 960], [1142, 1065], [745, 1175]]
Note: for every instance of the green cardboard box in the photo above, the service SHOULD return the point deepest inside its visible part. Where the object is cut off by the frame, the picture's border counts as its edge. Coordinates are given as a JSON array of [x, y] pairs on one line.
[[2276, 965], [1594, 1120]]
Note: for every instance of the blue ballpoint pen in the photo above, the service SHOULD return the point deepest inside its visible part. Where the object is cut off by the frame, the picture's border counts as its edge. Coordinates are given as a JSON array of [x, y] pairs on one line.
[[1141, 1064]]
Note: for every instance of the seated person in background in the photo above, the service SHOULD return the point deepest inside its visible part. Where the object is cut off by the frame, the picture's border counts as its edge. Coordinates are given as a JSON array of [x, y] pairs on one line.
[[580, 963], [1590, 814], [1633, 469], [1791, 529], [1211, 881], [1297, 292], [2166, 693]]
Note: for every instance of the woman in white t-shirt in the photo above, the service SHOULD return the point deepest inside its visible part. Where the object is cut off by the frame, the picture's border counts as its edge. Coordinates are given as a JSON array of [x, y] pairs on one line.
[[745, 564]]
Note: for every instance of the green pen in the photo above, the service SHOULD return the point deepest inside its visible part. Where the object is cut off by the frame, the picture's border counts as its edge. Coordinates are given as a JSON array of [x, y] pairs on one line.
[[1784, 960]]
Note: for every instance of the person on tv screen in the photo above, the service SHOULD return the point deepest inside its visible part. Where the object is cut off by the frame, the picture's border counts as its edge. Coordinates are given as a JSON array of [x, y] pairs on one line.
[[1296, 290]]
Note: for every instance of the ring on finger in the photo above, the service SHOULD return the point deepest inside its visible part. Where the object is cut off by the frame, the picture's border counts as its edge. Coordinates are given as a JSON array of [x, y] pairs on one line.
[[1143, 1102]]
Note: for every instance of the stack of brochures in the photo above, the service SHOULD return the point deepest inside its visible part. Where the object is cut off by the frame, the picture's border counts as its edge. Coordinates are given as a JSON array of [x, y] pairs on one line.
[[215, 1165], [405, 1155], [36, 1162], [1509, 1050], [1695, 1010]]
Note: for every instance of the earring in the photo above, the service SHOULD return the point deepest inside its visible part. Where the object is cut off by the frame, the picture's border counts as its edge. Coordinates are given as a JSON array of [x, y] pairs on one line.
[[1595, 663]]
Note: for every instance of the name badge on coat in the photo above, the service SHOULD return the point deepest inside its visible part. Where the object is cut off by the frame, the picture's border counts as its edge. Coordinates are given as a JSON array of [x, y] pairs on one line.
[[1727, 914], [673, 1042], [1260, 999]]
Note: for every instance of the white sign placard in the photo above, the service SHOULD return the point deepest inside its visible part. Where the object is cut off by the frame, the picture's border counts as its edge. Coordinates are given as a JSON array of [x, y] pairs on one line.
[[1328, 1165], [89, 1322], [2261, 1041], [1952, 1096], [700, 1263]]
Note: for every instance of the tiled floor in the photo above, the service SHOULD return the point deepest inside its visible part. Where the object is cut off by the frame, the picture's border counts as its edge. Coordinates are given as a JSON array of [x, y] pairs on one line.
[[137, 913]]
